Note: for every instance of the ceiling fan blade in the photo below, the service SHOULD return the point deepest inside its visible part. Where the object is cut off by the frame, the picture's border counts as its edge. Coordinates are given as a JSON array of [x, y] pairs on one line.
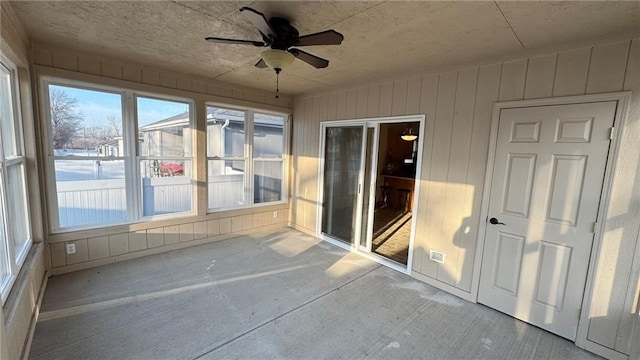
[[261, 64], [258, 19], [329, 37], [235, 41], [312, 60]]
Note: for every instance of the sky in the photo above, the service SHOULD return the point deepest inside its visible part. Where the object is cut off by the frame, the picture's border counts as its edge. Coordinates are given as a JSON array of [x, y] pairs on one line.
[[96, 106]]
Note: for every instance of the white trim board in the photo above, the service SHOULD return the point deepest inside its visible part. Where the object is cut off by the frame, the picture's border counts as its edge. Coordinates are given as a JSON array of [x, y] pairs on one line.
[[622, 98]]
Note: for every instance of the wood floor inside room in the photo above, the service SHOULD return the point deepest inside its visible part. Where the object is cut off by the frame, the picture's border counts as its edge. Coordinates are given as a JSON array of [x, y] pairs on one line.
[[274, 295]]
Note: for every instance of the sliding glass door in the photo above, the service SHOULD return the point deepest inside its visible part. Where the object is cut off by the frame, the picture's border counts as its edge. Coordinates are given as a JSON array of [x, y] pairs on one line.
[[368, 185], [342, 181]]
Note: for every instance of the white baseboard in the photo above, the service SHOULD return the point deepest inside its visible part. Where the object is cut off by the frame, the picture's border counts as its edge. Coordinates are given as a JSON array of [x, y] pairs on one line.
[[34, 318], [442, 286]]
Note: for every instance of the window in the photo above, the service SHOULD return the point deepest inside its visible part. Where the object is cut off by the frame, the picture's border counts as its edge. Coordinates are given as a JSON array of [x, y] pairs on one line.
[[245, 158], [112, 165], [15, 228], [164, 149], [88, 152]]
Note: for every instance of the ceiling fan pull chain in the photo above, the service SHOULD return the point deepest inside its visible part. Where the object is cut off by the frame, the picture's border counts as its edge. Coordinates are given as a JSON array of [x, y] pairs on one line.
[[277, 84]]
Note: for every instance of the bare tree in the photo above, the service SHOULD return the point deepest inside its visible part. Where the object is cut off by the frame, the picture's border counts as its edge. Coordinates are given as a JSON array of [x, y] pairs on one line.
[[66, 119], [98, 135], [114, 125]]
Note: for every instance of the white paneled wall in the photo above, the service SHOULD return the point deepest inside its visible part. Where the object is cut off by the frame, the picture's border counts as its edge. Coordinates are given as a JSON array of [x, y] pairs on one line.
[[458, 107], [64, 59]]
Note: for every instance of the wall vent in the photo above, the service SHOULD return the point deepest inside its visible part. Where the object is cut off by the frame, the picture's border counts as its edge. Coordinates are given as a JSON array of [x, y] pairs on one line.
[[437, 256]]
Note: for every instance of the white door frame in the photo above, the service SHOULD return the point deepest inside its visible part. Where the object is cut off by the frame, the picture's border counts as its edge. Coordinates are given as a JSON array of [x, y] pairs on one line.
[[622, 98], [375, 123]]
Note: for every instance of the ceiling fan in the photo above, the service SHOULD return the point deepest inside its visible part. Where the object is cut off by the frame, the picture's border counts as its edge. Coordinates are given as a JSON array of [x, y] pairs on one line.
[[282, 39]]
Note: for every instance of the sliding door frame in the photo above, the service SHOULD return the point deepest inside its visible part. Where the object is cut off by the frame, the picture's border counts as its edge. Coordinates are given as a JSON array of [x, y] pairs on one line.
[[355, 246]]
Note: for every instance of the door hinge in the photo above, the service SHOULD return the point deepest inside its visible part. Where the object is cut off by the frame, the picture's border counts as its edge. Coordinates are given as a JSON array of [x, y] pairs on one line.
[[612, 133], [595, 227]]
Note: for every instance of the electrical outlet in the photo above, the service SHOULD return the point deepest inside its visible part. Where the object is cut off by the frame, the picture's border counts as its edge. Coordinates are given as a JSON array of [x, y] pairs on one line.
[[437, 256], [71, 248], [275, 214]]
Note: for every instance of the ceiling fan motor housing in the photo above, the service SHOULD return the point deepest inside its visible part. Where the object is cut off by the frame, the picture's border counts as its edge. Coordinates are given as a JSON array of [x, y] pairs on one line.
[[286, 34]]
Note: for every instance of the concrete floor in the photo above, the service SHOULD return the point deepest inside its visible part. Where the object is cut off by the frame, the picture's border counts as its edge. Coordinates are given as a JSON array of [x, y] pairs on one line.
[[273, 295]]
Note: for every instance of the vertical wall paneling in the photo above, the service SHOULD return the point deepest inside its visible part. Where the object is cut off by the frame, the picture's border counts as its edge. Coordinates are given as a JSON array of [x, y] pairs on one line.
[[168, 80], [413, 96], [440, 164], [399, 102], [386, 99], [213, 90], [294, 174], [514, 75], [352, 95], [303, 110], [66, 59], [487, 93], [332, 107], [341, 105], [151, 77], [110, 68], [184, 84], [66, 62], [612, 316], [540, 77], [322, 115], [89, 65], [310, 182], [373, 101], [456, 215], [571, 72], [428, 99], [132, 73], [361, 103], [199, 87], [607, 68]]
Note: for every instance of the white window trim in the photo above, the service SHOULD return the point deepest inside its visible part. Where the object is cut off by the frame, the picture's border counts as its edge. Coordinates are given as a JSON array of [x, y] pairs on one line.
[[249, 159], [16, 261], [131, 159]]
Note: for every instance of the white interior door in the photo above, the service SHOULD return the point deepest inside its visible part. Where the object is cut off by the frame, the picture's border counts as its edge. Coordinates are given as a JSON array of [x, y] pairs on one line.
[[547, 180]]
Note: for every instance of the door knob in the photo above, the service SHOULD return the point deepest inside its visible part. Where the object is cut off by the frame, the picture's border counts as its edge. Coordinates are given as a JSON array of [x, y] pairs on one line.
[[495, 221]]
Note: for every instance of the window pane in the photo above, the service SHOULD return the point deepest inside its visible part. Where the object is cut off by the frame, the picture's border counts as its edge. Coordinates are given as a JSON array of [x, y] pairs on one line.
[[165, 188], [226, 183], [85, 122], [267, 181], [17, 199], [225, 132], [4, 251], [90, 192], [268, 136], [163, 128], [7, 121]]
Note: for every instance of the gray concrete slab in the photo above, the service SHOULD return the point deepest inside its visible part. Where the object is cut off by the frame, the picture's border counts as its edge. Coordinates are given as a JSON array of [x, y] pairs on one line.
[[279, 294]]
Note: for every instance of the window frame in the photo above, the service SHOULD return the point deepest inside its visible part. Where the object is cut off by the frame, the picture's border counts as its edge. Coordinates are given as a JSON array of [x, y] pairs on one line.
[[249, 157], [15, 257], [139, 206], [132, 177]]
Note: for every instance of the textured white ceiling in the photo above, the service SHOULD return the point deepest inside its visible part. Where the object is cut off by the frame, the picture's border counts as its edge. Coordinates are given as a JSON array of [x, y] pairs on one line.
[[381, 38]]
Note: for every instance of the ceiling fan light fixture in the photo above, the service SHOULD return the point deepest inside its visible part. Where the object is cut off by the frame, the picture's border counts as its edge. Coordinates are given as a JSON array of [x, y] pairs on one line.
[[277, 59], [408, 134]]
